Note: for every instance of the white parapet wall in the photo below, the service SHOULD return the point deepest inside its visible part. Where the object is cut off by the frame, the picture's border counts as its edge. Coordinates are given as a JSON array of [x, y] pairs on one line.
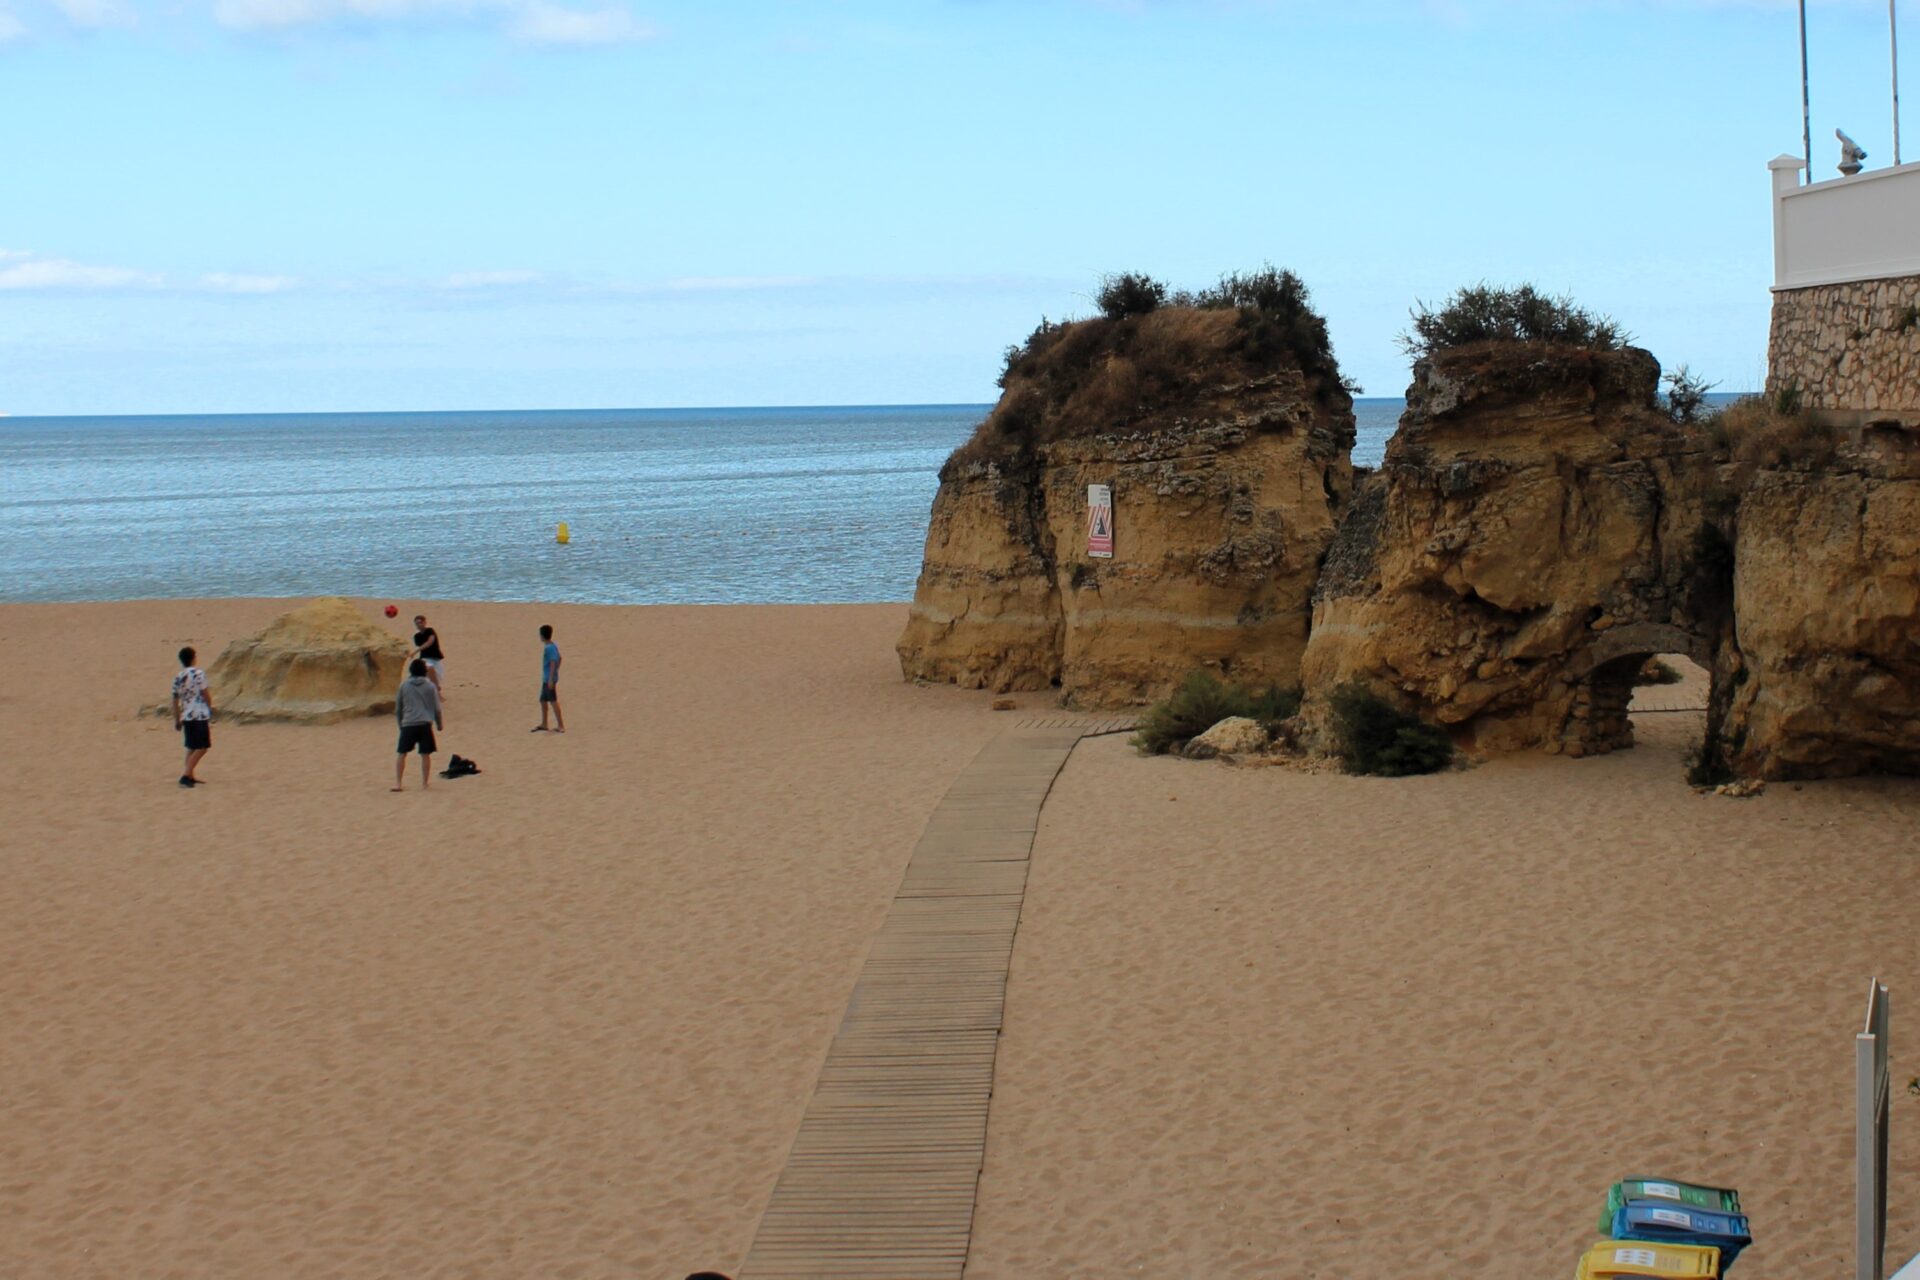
[[1845, 338], [1866, 227]]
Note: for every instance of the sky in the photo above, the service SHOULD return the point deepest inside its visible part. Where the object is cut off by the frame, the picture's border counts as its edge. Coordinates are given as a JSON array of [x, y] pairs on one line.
[[309, 205]]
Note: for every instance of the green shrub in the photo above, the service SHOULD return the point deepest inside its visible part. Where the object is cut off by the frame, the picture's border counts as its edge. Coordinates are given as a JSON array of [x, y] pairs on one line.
[[1152, 358], [1273, 705], [1202, 701], [1372, 736], [1655, 671], [1130, 293], [1277, 314], [1686, 395], [1482, 313]]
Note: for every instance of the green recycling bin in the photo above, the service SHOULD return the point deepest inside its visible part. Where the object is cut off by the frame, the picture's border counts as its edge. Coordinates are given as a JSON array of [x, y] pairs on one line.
[[1685, 1194]]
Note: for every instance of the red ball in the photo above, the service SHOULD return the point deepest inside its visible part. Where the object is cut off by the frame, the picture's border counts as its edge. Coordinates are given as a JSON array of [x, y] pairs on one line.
[[393, 611]]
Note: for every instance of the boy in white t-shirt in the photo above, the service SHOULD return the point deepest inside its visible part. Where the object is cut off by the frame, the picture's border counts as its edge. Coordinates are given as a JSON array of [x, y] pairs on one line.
[[192, 714]]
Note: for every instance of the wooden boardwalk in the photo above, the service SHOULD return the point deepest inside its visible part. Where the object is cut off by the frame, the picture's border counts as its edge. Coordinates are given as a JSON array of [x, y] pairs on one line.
[[1655, 699], [880, 1181]]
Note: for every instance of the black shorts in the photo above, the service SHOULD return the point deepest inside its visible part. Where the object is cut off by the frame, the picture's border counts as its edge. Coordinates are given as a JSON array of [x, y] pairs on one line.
[[198, 734], [547, 694], [417, 735]]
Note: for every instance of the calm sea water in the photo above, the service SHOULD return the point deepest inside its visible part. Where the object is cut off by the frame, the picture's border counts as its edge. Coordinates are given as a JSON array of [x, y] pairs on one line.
[[665, 505]]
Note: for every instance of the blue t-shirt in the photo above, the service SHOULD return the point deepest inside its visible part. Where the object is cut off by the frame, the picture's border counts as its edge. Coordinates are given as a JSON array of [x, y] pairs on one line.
[[549, 663]]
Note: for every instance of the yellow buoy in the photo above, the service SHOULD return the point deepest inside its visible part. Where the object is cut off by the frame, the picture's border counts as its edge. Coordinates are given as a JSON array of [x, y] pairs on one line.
[[562, 536]]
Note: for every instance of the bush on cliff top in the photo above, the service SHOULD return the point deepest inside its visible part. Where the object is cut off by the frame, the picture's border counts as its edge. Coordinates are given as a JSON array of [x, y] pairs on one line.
[[1153, 350], [1370, 735], [1129, 294], [1483, 313], [1687, 396], [1759, 433], [1201, 702]]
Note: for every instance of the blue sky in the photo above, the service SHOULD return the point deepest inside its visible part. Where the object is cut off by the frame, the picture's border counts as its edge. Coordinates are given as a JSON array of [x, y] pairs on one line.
[[266, 205]]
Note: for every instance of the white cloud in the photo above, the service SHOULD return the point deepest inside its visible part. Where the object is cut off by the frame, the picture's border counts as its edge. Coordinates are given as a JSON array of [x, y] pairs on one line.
[[529, 21], [542, 23], [271, 15], [11, 28], [489, 279], [97, 13], [722, 284], [23, 271], [234, 282]]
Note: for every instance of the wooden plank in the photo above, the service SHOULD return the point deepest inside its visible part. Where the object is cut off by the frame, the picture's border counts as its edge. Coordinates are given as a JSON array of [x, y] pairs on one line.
[[880, 1180]]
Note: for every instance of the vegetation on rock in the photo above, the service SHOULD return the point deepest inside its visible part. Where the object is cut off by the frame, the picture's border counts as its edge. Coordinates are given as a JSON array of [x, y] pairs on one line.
[[1687, 396], [1483, 313], [1202, 701], [1129, 293], [1656, 671], [1373, 736], [1154, 354]]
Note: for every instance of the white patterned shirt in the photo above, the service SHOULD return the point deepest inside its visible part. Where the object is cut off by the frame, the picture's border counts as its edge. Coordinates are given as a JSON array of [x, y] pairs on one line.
[[190, 687]]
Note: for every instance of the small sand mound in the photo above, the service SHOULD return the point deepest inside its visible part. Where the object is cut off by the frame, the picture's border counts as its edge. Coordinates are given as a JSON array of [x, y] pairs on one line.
[[323, 662]]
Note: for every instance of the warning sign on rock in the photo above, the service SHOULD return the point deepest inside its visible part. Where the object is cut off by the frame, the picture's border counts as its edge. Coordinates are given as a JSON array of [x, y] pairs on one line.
[[1100, 521]]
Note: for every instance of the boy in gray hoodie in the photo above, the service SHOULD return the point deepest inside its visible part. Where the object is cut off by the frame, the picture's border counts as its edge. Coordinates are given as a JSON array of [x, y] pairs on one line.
[[417, 708]]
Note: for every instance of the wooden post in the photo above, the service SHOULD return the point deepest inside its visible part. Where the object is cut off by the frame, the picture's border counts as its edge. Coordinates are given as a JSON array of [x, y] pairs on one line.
[[1871, 1098]]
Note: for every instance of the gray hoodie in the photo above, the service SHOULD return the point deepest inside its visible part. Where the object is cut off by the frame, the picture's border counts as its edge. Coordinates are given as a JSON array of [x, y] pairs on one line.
[[418, 702]]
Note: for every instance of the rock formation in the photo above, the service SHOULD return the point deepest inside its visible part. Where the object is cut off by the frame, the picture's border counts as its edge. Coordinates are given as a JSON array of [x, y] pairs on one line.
[[1528, 542], [322, 662], [1827, 603], [1225, 493], [1541, 525], [1234, 736]]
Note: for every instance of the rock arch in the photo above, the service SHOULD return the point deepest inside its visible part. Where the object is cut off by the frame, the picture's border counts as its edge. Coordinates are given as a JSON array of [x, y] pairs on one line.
[[1606, 672]]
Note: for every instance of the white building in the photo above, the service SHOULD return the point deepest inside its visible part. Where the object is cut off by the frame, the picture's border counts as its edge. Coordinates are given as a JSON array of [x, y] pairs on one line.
[[1845, 341]]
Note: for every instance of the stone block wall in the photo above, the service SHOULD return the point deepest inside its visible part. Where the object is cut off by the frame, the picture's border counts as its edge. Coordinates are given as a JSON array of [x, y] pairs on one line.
[[1849, 348]]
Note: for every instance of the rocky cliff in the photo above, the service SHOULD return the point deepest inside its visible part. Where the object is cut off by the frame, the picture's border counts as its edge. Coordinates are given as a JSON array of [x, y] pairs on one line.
[[1541, 525], [1228, 461], [1827, 609], [1529, 540]]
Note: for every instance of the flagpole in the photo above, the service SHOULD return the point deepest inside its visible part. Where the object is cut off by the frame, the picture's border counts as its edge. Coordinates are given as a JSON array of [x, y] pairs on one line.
[[1893, 31], [1806, 102]]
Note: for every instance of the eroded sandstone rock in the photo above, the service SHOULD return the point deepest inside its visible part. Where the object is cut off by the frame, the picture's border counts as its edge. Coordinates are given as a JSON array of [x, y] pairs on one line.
[[1827, 601], [1527, 543], [322, 662], [1234, 736], [1224, 501]]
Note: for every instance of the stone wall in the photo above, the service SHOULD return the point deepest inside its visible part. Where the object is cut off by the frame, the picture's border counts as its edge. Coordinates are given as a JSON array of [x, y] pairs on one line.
[[1849, 348]]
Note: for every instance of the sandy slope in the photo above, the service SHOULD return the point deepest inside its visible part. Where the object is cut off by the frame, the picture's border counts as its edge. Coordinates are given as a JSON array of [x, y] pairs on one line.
[[1262, 1023], [560, 1020]]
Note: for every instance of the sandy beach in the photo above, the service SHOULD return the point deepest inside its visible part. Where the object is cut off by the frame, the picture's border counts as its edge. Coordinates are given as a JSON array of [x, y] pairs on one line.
[[562, 1019], [1267, 1023], [559, 1020]]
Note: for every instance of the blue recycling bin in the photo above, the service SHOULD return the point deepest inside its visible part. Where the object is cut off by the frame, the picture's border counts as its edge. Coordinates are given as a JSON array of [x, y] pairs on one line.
[[1668, 1223]]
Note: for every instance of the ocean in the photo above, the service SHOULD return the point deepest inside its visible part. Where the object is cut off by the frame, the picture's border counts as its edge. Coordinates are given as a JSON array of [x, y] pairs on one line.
[[665, 506]]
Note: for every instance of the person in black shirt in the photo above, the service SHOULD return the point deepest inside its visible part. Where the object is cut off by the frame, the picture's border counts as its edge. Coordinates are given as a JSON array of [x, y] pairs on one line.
[[426, 642]]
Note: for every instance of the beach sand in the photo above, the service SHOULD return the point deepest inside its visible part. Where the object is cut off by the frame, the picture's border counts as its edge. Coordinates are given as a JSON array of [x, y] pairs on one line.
[[562, 1020], [559, 1020], [1263, 1023]]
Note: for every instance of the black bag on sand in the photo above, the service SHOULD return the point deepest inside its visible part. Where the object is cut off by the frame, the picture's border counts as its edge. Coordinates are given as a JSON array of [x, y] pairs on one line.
[[459, 767]]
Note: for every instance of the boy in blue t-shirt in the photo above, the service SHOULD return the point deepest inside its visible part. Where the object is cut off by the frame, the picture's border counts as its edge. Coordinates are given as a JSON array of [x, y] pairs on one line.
[[550, 682]]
